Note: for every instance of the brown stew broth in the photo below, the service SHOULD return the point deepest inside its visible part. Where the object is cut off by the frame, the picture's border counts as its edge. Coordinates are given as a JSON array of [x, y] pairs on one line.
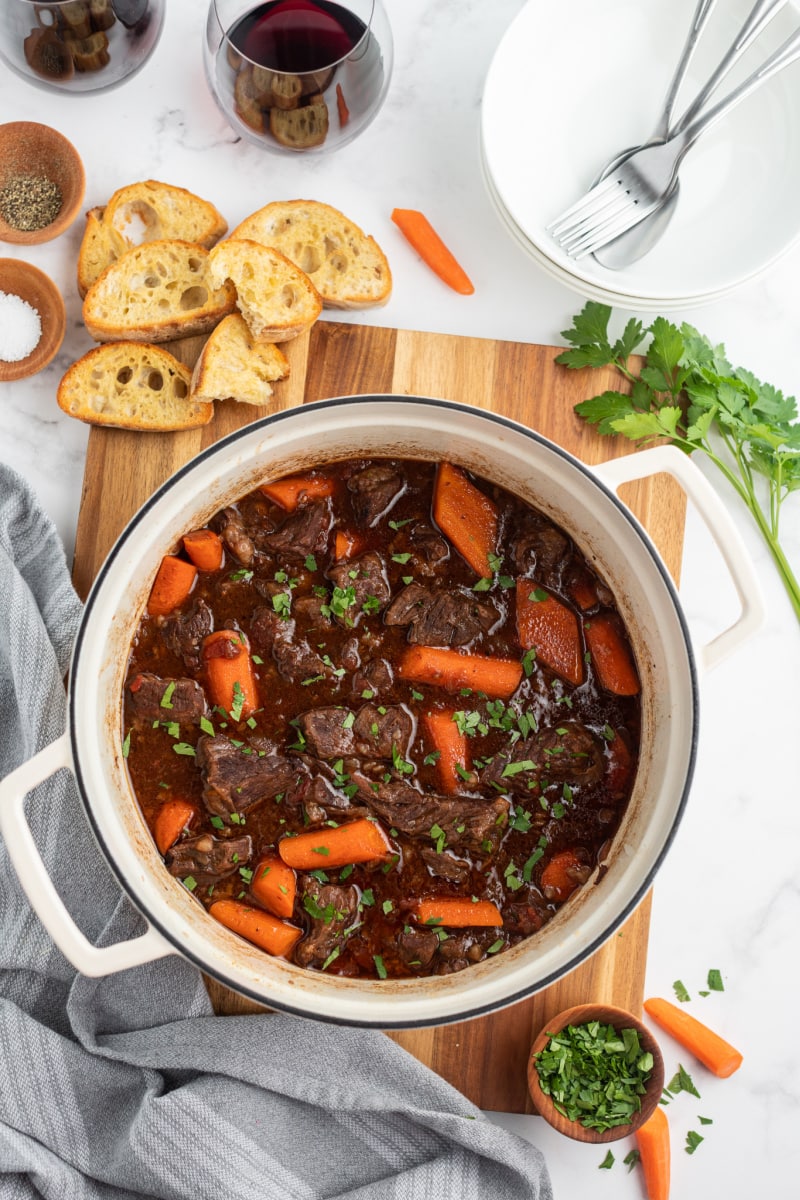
[[578, 812]]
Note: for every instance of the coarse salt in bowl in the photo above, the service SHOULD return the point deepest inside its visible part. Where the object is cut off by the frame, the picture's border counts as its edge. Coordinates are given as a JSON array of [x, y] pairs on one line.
[[32, 320]]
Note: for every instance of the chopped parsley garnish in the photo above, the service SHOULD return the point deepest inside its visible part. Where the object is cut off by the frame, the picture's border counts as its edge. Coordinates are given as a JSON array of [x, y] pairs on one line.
[[346, 871], [715, 980], [190, 883], [482, 585], [334, 954], [401, 764], [166, 699], [680, 991], [693, 1140], [528, 659], [282, 603], [395, 525], [387, 907], [246, 874], [631, 1159], [184, 748], [126, 745], [218, 823], [537, 595], [371, 604], [439, 836], [401, 558], [207, 727], [682, 1082], [607, 1162], [320, 850], [368, 896], [595, 1074], [341, 599], [238, 702], [495, 946], [242, 576], [310, 563], [429, 760], [379, 967]]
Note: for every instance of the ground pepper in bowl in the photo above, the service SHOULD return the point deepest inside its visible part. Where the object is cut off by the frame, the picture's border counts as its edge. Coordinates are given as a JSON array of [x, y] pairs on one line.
[[30, 202]]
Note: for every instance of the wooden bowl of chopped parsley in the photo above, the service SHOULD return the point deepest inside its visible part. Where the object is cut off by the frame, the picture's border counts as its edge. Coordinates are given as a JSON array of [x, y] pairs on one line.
[[595, 1073]]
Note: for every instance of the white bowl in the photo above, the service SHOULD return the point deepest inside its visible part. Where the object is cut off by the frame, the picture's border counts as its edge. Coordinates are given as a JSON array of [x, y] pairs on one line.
[[572, 84]]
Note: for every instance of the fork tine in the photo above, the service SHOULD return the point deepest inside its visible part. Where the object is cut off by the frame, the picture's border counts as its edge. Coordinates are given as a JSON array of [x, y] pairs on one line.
[[610, 230], [584, 206], [616, 205]]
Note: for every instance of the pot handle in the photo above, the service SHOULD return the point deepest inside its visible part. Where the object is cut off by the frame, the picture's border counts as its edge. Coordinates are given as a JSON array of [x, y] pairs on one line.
[[38, 886], [720, 525]]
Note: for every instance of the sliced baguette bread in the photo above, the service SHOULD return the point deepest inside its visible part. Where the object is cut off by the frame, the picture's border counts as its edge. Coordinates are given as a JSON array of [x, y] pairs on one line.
[[156, 292], [234, 367], [277, 300], [149, 211], [348, 268], [132, 386]]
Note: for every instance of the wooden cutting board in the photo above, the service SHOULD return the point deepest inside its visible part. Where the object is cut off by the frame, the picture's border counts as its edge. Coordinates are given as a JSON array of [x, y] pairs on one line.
[[484, 1058]]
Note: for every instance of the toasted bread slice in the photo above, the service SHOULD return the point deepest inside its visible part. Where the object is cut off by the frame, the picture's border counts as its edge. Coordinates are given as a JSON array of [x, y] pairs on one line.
[[145, 212], [156, 292], [132, 386], [234, 367], [277, 300], [101, 245], [348, 268]]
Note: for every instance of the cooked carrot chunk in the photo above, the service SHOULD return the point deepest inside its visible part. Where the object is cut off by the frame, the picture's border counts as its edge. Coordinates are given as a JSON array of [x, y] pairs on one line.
[[611, 656], [173, 582], [450, 670], [547, 626], [259, 927], [466, 517]]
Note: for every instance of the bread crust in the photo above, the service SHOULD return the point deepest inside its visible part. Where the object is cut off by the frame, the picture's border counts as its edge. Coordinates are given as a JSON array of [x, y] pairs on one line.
[[232, 366], [277, 300]]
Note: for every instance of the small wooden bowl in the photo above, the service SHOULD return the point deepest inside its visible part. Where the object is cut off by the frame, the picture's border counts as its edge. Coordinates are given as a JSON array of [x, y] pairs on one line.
[[29, 283], [607, 1014], [30, 149]]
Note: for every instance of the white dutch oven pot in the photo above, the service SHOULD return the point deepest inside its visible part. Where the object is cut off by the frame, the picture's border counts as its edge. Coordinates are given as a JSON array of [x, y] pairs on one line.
[[580, 499]]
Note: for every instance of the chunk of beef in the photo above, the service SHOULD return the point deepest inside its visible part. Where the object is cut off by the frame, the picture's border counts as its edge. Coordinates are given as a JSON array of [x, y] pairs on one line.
[[467, 824], [338, 909], [230, 525], [323, 785], [430, 548], [566, 753], [446, 866], [236, 778], [440, 617], [328, 731], [417, 947], [539, 548], [461, 949], [367, 577], [349, 655], [379, 734], [155, 699], [183, 633], [374, 491], [570, 753], [304, 532], [308, 610], [375, 676], [296, 661], [524, 917], [207, 857], [267, 625], [315, 795]]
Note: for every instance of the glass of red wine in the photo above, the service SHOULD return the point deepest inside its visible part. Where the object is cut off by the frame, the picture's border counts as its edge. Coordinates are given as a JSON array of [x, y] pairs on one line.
[[77, 46], [298, 76]]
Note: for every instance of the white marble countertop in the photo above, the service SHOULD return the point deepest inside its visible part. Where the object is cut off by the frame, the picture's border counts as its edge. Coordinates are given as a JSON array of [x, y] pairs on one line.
[[728, 895]]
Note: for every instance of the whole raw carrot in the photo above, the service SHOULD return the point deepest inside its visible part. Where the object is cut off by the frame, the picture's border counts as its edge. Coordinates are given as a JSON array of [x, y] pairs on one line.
[[231, 675], [173, 582], [466, 517], [451, 745], [259, 927], [713, 1051], [652, 1140], [274, 885], [171, 819], [204, 548], [355, 842], [611, 656], [288, 492], [547, 626], [457, 913], [451, 670], [418, 230]]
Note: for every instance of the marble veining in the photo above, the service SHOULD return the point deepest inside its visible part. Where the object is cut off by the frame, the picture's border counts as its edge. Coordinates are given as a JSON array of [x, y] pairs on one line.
[[728, 895]]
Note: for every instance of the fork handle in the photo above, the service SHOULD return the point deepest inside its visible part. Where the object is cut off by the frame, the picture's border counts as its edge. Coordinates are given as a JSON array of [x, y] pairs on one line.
[[783, 57], [760, 15], [699, 21]]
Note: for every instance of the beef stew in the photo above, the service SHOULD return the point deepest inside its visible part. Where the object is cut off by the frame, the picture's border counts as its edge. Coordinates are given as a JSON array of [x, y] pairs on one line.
[[367, 702]]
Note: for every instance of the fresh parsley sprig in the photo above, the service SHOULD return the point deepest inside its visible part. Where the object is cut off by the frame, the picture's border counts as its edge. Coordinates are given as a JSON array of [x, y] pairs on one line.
[[686, 391]]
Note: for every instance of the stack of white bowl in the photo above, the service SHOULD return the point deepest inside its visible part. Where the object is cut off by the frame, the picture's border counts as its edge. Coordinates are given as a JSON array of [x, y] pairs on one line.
[[573, 84]]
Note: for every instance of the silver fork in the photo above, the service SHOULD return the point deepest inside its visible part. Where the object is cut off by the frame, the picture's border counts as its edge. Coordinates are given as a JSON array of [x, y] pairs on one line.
[[639, 184]]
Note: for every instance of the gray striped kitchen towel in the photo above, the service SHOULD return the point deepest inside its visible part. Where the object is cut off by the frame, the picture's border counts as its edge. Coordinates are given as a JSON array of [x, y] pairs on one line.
[[130, 1086]]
